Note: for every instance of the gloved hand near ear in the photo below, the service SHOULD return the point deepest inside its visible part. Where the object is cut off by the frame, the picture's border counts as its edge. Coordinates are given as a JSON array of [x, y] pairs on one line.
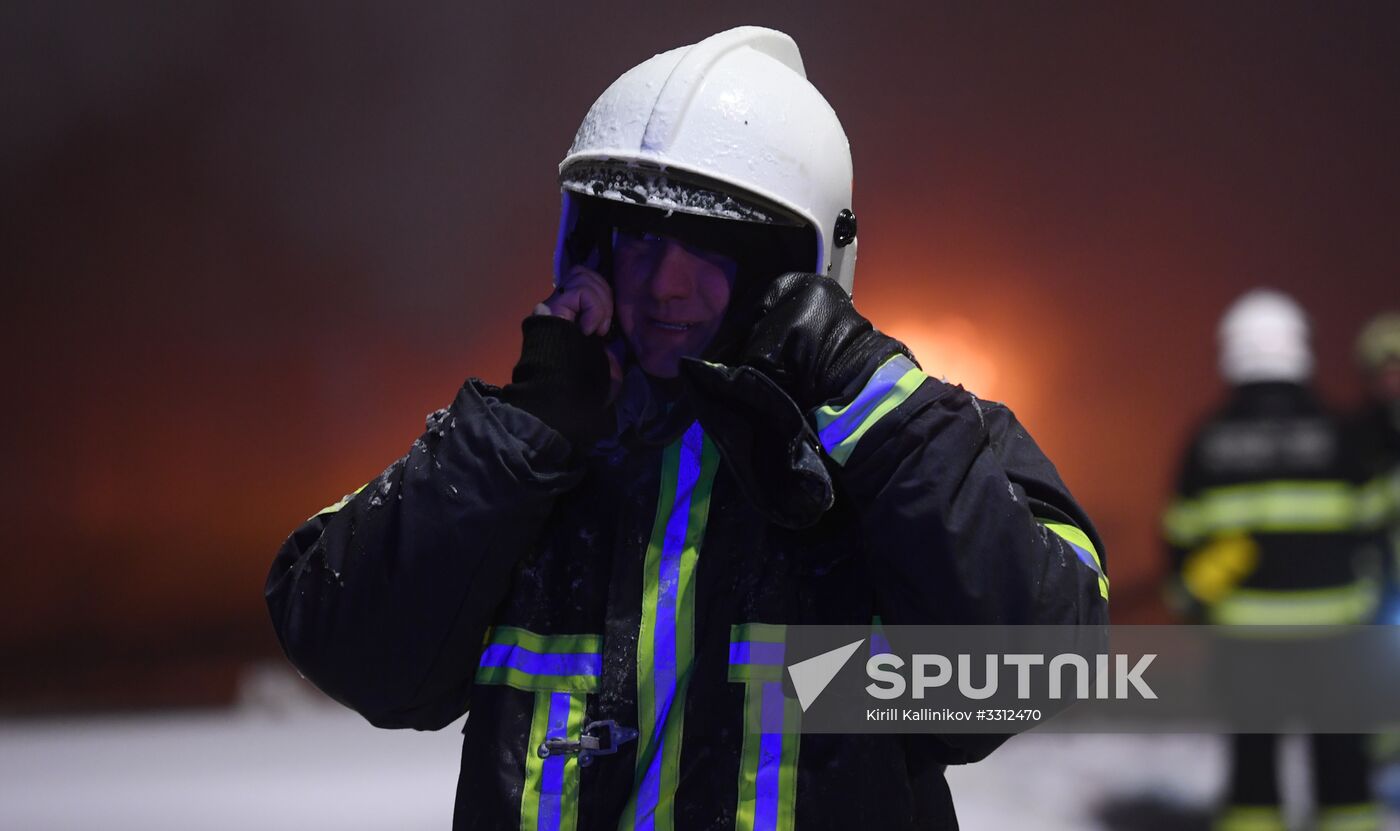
[[806, 346], [809, 339]]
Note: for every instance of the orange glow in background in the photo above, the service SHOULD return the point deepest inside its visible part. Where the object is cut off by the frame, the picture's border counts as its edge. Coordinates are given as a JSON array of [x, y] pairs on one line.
[[952, 349]]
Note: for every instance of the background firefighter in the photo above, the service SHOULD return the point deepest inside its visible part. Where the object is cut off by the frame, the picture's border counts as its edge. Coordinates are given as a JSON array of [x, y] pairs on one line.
[[581, 549], [1265, 531]]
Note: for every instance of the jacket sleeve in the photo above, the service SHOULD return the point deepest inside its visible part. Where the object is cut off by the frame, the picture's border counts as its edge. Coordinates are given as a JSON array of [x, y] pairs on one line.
[[384, 599], [965, 519]]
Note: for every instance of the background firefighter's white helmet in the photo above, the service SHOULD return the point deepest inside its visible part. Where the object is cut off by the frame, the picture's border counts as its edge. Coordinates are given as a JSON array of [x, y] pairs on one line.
[[1264, 337], [729, 127]]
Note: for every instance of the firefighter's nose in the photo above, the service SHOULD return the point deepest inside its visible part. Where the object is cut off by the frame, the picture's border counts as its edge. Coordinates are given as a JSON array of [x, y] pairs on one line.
[[673, 278]]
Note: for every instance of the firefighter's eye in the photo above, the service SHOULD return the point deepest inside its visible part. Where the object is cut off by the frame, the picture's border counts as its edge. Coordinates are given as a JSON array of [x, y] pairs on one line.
[[638, 235], [638, 241], [638, 245]]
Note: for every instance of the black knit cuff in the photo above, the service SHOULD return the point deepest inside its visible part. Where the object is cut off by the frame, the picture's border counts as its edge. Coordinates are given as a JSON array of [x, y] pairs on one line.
[[562, 377]]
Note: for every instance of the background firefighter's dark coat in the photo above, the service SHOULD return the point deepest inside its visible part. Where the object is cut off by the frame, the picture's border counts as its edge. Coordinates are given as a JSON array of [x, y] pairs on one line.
[[384, 601], [1271, 523]]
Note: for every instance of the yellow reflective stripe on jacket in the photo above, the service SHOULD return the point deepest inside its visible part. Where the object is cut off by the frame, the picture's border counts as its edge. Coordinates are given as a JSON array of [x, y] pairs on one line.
[[1277, 506], [1342, 605], [1361, 816], [344, 500], [841, 428], [1250, 818], [1378, 501], [1083, 548]]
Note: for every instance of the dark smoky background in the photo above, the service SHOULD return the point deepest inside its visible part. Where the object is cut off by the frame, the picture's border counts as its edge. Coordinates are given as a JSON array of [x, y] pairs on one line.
[[248, 246]]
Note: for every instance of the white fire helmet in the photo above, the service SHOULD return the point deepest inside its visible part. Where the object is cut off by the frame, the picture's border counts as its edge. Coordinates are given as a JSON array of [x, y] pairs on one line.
[[1264, 337], [730, 128]]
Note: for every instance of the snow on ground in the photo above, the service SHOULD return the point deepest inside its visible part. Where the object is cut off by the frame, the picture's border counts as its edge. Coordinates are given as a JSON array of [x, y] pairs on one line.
[[282, 760], [289, 759], [1052, 782]]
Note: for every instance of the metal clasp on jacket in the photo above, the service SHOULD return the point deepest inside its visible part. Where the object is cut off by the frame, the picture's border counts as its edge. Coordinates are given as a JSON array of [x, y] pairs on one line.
[[599, 738]]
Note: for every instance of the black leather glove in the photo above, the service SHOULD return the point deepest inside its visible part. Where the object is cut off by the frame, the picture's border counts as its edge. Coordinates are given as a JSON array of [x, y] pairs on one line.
[[806, 346], [810, 340], [562, 379]]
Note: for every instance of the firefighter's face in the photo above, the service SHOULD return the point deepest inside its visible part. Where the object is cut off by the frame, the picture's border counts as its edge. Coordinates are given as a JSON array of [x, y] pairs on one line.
[[670, 298]]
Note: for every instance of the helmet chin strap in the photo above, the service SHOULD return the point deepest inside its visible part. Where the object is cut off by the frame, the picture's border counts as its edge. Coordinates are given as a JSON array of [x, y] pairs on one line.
[[843, 266]]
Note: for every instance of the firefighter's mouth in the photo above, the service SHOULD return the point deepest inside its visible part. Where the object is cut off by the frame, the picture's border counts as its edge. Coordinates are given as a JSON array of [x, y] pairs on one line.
[[674, 325]]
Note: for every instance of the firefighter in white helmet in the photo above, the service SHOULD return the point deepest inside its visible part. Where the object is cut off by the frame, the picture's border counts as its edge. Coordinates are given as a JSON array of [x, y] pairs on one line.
[[599, 560], [1263, 530]]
